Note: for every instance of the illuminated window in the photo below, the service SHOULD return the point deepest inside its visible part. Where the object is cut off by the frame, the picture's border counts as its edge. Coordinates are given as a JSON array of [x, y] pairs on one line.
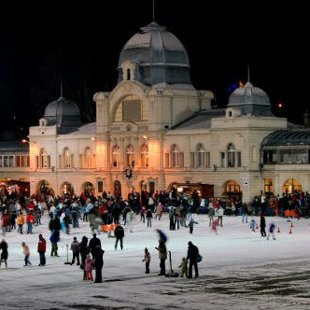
[[268, 188], [115, 156], [292, 185], [100, 186], [144, 155], [67, 189], [233, 187], [44, 159], [88, 158], [67, 158], [22, 161], [130, 159]]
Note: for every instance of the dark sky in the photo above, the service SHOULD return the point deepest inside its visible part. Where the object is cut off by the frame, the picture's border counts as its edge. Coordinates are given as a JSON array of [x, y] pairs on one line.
[[221, 40]]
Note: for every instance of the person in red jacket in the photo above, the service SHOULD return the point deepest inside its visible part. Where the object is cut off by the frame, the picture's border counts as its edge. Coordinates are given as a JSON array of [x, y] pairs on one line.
[[42, 250]]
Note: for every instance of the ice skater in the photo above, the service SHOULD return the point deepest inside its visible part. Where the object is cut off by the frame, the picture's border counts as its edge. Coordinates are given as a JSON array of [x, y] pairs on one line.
[[183, 268], [26, 252], [147, 260], [271, 231]]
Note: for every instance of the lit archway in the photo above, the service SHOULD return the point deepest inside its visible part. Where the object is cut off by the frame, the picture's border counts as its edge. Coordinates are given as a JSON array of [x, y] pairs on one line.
[[43, 188], [67, 189], [291, 185], [117, 189], [232, 189], [88, 189]]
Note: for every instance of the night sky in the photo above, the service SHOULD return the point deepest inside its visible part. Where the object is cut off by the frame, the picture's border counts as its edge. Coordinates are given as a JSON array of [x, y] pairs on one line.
[[80, 44]]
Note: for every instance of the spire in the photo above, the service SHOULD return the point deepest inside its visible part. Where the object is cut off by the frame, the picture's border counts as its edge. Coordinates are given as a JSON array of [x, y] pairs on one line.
[[248, 73], [61, 89], [153, 11]]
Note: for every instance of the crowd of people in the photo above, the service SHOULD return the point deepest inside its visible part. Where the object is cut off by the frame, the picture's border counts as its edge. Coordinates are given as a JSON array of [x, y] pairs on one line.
[[22, 215]]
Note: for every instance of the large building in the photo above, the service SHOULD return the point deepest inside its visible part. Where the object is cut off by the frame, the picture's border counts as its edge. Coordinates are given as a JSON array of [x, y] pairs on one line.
[[154, 130]]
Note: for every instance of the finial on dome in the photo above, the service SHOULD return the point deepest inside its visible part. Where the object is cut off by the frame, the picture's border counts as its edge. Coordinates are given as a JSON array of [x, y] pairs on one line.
[[248, 73], [153, 13], [61, 89]]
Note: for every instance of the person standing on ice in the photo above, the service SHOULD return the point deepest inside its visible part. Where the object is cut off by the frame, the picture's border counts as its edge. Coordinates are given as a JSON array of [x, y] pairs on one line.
[[262, 225], [98, 264], [192, 254], [220, 213], [26, 252], [191, 225], [211, 212], [244, 213], [271, 231], [214, 225], [4, 253], [253, 224], [147, 260], [119, 234], [183, 267], [42, 250], [162, 253]]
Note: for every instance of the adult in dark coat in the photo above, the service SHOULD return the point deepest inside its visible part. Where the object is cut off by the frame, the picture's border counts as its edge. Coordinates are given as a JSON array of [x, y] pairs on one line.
[[119, 235], [98, 264], [262, 225], [54, 238], [93, 243], [84, 251], [162, 253], [54, 224], [192, 254]]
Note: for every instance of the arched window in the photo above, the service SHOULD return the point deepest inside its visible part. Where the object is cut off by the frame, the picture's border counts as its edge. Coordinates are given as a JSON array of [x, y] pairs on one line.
[[233, 156], [200, 155], [115, 155], [67, 189], [88, 188], [130, 159], [233, 190], [67, 158], [88, 158], [117, 189], [177, 157], [128, 74], [292, 185], [144, 155], [43, 159]]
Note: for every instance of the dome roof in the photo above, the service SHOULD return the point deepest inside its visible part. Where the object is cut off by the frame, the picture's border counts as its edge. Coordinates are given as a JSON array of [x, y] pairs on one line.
[[290, 137], [159, 56], [250, 100], [65, 113]]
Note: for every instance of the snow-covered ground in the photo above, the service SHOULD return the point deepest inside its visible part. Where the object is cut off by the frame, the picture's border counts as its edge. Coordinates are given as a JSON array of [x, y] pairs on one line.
[[239, 270]]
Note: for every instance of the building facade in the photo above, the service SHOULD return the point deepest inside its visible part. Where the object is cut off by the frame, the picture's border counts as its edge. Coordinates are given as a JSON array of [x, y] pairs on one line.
[[154, 130]]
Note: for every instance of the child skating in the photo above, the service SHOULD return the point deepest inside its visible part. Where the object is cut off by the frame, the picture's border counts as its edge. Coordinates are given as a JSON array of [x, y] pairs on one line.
[[147, 260], [183, 268]]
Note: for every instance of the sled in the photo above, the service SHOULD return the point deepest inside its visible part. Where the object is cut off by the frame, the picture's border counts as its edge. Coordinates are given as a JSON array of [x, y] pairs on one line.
[[171, 274]]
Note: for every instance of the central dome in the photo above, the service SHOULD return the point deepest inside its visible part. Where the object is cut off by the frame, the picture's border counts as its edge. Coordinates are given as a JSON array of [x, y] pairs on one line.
[[158, 56]]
